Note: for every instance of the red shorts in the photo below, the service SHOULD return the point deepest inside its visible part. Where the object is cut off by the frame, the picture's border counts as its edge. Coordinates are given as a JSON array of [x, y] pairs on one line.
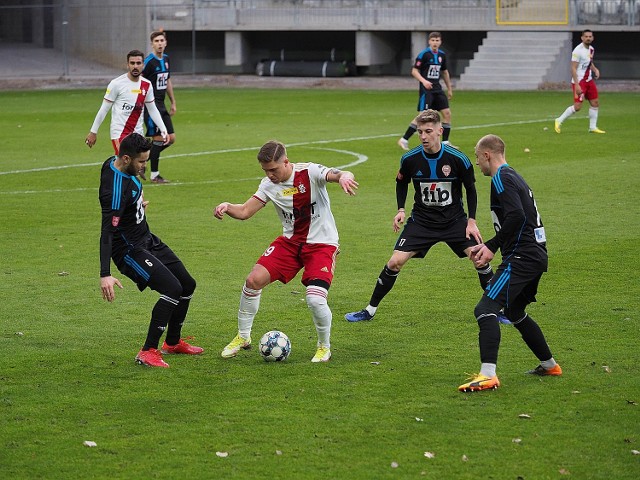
[[284, 259], [589, 91]]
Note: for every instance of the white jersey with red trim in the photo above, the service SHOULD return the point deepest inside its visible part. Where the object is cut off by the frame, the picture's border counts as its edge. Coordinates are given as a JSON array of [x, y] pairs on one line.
[[302, 203], [128, 105], [583, 56]]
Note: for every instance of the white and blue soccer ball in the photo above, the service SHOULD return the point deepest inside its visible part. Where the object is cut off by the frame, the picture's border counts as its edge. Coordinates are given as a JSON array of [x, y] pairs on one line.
[[275, 346]]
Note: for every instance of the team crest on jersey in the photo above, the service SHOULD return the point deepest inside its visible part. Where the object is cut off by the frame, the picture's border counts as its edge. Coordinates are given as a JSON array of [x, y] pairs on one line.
[[143, 91], [301, 188], [135, 90], [115, 221], [446, 170], [287, 192]]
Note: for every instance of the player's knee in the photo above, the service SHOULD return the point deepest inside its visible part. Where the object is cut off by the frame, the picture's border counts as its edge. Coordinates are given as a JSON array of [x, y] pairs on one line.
[[515, 314], [188, 286], [316, 296], [486, 308]]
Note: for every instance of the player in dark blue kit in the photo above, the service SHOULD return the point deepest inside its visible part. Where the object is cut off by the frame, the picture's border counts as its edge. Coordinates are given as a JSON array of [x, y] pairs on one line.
[[157, 71], [431, 66], [520, 236], [438, 173], [139, 254]]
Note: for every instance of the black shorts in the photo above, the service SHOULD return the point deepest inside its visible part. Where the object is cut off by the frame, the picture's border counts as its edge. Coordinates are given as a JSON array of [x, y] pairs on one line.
[[142, 262], [418, 238], [152, 129], [435, 100], [513, 284]]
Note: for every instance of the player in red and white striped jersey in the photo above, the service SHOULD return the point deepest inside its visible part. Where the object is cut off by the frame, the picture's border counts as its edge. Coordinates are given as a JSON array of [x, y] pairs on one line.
[[126, 97], [583, 82], [309, 239]]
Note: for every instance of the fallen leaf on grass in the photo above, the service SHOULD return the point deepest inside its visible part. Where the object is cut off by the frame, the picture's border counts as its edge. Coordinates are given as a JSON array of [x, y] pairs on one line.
[[524, 415], [606, 368], [89, 443], [63, 274], [394, 464], [278, 452], [564, 471], [465, 458], [635, 452], [631, 402], [222, 454], [375, 363], [429, 454], [516, 440], [418, 419]]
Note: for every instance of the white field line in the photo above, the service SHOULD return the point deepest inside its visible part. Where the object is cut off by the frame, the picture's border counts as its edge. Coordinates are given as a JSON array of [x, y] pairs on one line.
[[360, 158]]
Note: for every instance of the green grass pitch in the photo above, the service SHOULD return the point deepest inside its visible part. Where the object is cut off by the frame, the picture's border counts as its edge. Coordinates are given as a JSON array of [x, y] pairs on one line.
[[389, 394]]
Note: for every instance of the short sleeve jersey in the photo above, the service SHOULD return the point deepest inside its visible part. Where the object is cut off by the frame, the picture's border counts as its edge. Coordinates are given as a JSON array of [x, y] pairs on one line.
[[584, 57], [157, 71], [510, 193], [302, 203], [438, 180], [430, 64], [128, 105], [122, 210]]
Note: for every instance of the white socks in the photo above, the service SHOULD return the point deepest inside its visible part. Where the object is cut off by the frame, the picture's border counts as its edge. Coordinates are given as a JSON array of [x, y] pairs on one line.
[[320, 312], [593, 118], [488, 369], [249, 304], [566, 114]]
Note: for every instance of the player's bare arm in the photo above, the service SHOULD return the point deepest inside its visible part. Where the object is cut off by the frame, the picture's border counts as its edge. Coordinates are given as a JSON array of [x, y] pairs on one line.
[[574, 75], [173, 108], [447, 81], [346, 180], [238, 211]]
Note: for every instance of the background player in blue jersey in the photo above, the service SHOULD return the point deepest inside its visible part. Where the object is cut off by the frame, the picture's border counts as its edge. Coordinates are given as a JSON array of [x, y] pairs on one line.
[[430, 66], [520, 236], [139, 254], [157, 71], [438, 173]]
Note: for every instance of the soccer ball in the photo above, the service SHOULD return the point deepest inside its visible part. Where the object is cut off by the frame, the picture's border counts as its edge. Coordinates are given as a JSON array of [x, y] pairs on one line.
[[275, 346]]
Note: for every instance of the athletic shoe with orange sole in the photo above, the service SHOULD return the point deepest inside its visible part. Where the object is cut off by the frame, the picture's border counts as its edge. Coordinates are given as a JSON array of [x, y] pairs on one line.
[[480, 382], [182, 347], [543, 372], [151, 358]]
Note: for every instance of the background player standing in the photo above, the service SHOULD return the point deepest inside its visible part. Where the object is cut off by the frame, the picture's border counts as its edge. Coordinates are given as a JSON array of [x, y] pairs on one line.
[[157, 71], [520, 236], [126, 97], [429, 67], [438, 173], [583, 82], [139, 254], [309, 240]]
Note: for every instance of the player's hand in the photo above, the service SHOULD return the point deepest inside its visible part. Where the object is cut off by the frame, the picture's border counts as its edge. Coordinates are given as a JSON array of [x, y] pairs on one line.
[[348, 184], [145, 203], [173, 109], [165, 138], [106, 285], [398, 220], [427, 84], [473, 230], [449, 94], [90, 141], [480, 255], [220, 210], [596, 73]]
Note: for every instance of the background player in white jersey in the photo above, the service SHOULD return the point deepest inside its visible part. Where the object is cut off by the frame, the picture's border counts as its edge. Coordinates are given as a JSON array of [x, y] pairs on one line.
[[126, 97], [583, 82], [309, 239]]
